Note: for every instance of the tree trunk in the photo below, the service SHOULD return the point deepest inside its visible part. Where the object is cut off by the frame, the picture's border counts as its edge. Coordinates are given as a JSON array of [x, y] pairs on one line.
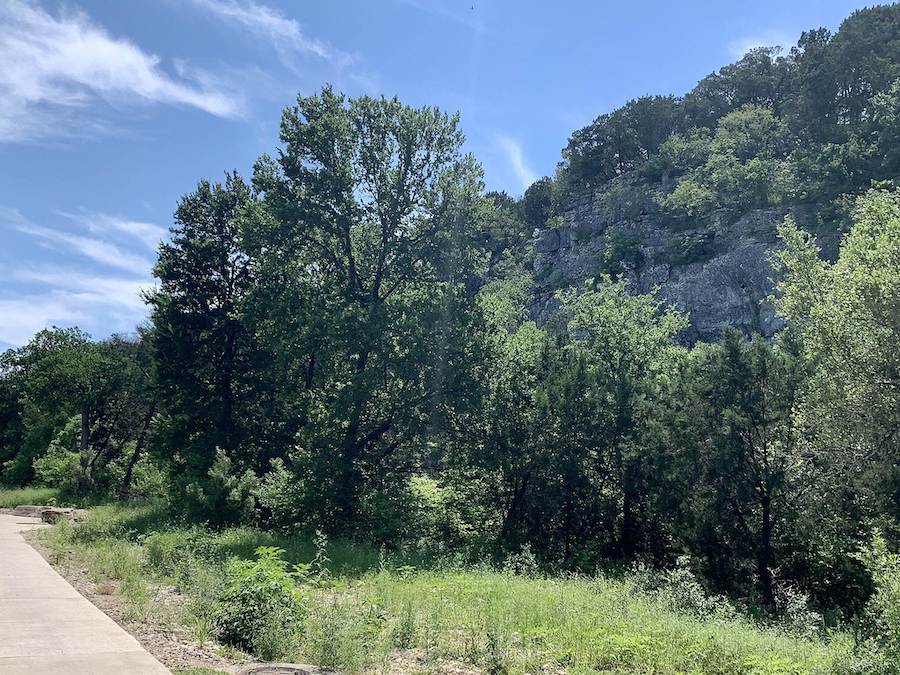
[[628, 537], [138, 449], [628, 543], [348, 476], [226, 390], [764, 560], [513, 516], [85, 458]]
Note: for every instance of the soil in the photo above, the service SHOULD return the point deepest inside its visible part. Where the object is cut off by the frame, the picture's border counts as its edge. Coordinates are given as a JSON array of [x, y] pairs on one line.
[[159, 631]]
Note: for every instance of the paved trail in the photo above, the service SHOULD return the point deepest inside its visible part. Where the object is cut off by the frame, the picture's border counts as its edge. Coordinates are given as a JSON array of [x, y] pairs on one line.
[[47, 628]]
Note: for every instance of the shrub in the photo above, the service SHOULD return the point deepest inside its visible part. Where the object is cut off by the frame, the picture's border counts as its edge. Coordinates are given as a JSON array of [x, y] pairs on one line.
[[691, 248], [223, 497], [689, 200], [261, 608], [879, 626], [623, 253], [60, 466], [796, 615], [522, 562], [680, 589], [280, 497], [435, 518]]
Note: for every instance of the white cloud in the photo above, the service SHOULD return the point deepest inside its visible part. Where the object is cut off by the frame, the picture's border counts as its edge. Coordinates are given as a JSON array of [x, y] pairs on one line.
[[22, 317], [54, 65], [516, 158], [123, 292], [285, 34], [768, 38], [98, 250], [75, 293], [147, 233], [67, 297]]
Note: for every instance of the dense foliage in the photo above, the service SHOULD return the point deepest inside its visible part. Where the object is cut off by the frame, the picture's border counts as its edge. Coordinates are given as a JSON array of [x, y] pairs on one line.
[[344, 344], [809, 125]]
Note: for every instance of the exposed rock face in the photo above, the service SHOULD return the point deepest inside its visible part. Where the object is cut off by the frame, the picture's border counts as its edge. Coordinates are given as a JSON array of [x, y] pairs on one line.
[[718, 270]]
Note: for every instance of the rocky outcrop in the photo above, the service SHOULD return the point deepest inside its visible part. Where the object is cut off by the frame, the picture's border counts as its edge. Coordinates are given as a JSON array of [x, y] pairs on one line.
[[717, 270], [48, 514]]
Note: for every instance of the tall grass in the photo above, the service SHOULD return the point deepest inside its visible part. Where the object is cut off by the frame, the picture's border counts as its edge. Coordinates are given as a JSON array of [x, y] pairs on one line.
[[380, 613], [502, 622], [11, 497]]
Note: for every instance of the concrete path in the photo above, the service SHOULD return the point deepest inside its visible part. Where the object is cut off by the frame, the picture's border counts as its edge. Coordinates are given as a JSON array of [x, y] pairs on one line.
[[47, 627]]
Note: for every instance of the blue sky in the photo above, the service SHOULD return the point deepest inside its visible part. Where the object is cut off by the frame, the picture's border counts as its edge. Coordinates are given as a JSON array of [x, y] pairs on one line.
[[110, 110]]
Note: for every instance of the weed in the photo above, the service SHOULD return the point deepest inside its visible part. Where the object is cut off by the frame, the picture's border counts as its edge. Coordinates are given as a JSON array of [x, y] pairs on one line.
[[353, 609]]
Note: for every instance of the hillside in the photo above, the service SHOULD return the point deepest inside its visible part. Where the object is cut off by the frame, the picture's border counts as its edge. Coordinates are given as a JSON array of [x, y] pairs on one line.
[[717, 268], [684, 193]]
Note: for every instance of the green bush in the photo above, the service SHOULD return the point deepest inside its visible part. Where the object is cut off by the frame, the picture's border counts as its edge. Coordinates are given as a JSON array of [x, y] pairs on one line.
[[879, 626], [796, 614], [60, 466], [261, 608], [435, 520], [280, 497], [691, 248], [224, 496], [680, 589], [623, 253]]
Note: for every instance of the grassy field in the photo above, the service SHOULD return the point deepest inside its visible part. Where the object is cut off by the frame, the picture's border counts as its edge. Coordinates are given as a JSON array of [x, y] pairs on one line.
[[396, 614], [11, 497]]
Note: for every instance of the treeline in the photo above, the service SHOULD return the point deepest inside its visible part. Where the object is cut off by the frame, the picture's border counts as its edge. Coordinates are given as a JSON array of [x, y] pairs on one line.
[[343, 344], [806, 126]]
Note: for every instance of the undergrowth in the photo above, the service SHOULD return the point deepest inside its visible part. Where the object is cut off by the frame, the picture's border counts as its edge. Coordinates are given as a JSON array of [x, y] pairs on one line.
[[348, 607], [11, 497]]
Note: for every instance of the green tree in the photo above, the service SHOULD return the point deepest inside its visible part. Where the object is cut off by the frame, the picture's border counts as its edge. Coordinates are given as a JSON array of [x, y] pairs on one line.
[[364, 251], [626, 342], [213, 377], [537, 203], [846, 316], [28, 427], [747, 167], [506, 237], [760, 78], [97, 383], [494, 455], [737, 457], [620, 141]]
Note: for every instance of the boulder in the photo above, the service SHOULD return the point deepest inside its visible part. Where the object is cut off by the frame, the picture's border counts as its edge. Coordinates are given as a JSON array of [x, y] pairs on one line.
[[48, 514]]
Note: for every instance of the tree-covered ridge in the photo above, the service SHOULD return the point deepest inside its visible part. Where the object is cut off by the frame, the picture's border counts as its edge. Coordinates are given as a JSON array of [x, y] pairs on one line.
[[809, 125]]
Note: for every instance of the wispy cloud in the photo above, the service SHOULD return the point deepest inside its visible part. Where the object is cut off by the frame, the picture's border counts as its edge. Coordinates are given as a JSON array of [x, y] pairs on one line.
[[286, 35], [54, 65], [67, 297], [95, 249], [21, 317], [517, 162], [97, 284], [99, 223], [767, 38], [121, 291], [465, 13]]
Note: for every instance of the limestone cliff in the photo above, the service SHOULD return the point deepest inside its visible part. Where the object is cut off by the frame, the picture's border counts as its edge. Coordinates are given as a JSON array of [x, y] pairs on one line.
[[717, 269]]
